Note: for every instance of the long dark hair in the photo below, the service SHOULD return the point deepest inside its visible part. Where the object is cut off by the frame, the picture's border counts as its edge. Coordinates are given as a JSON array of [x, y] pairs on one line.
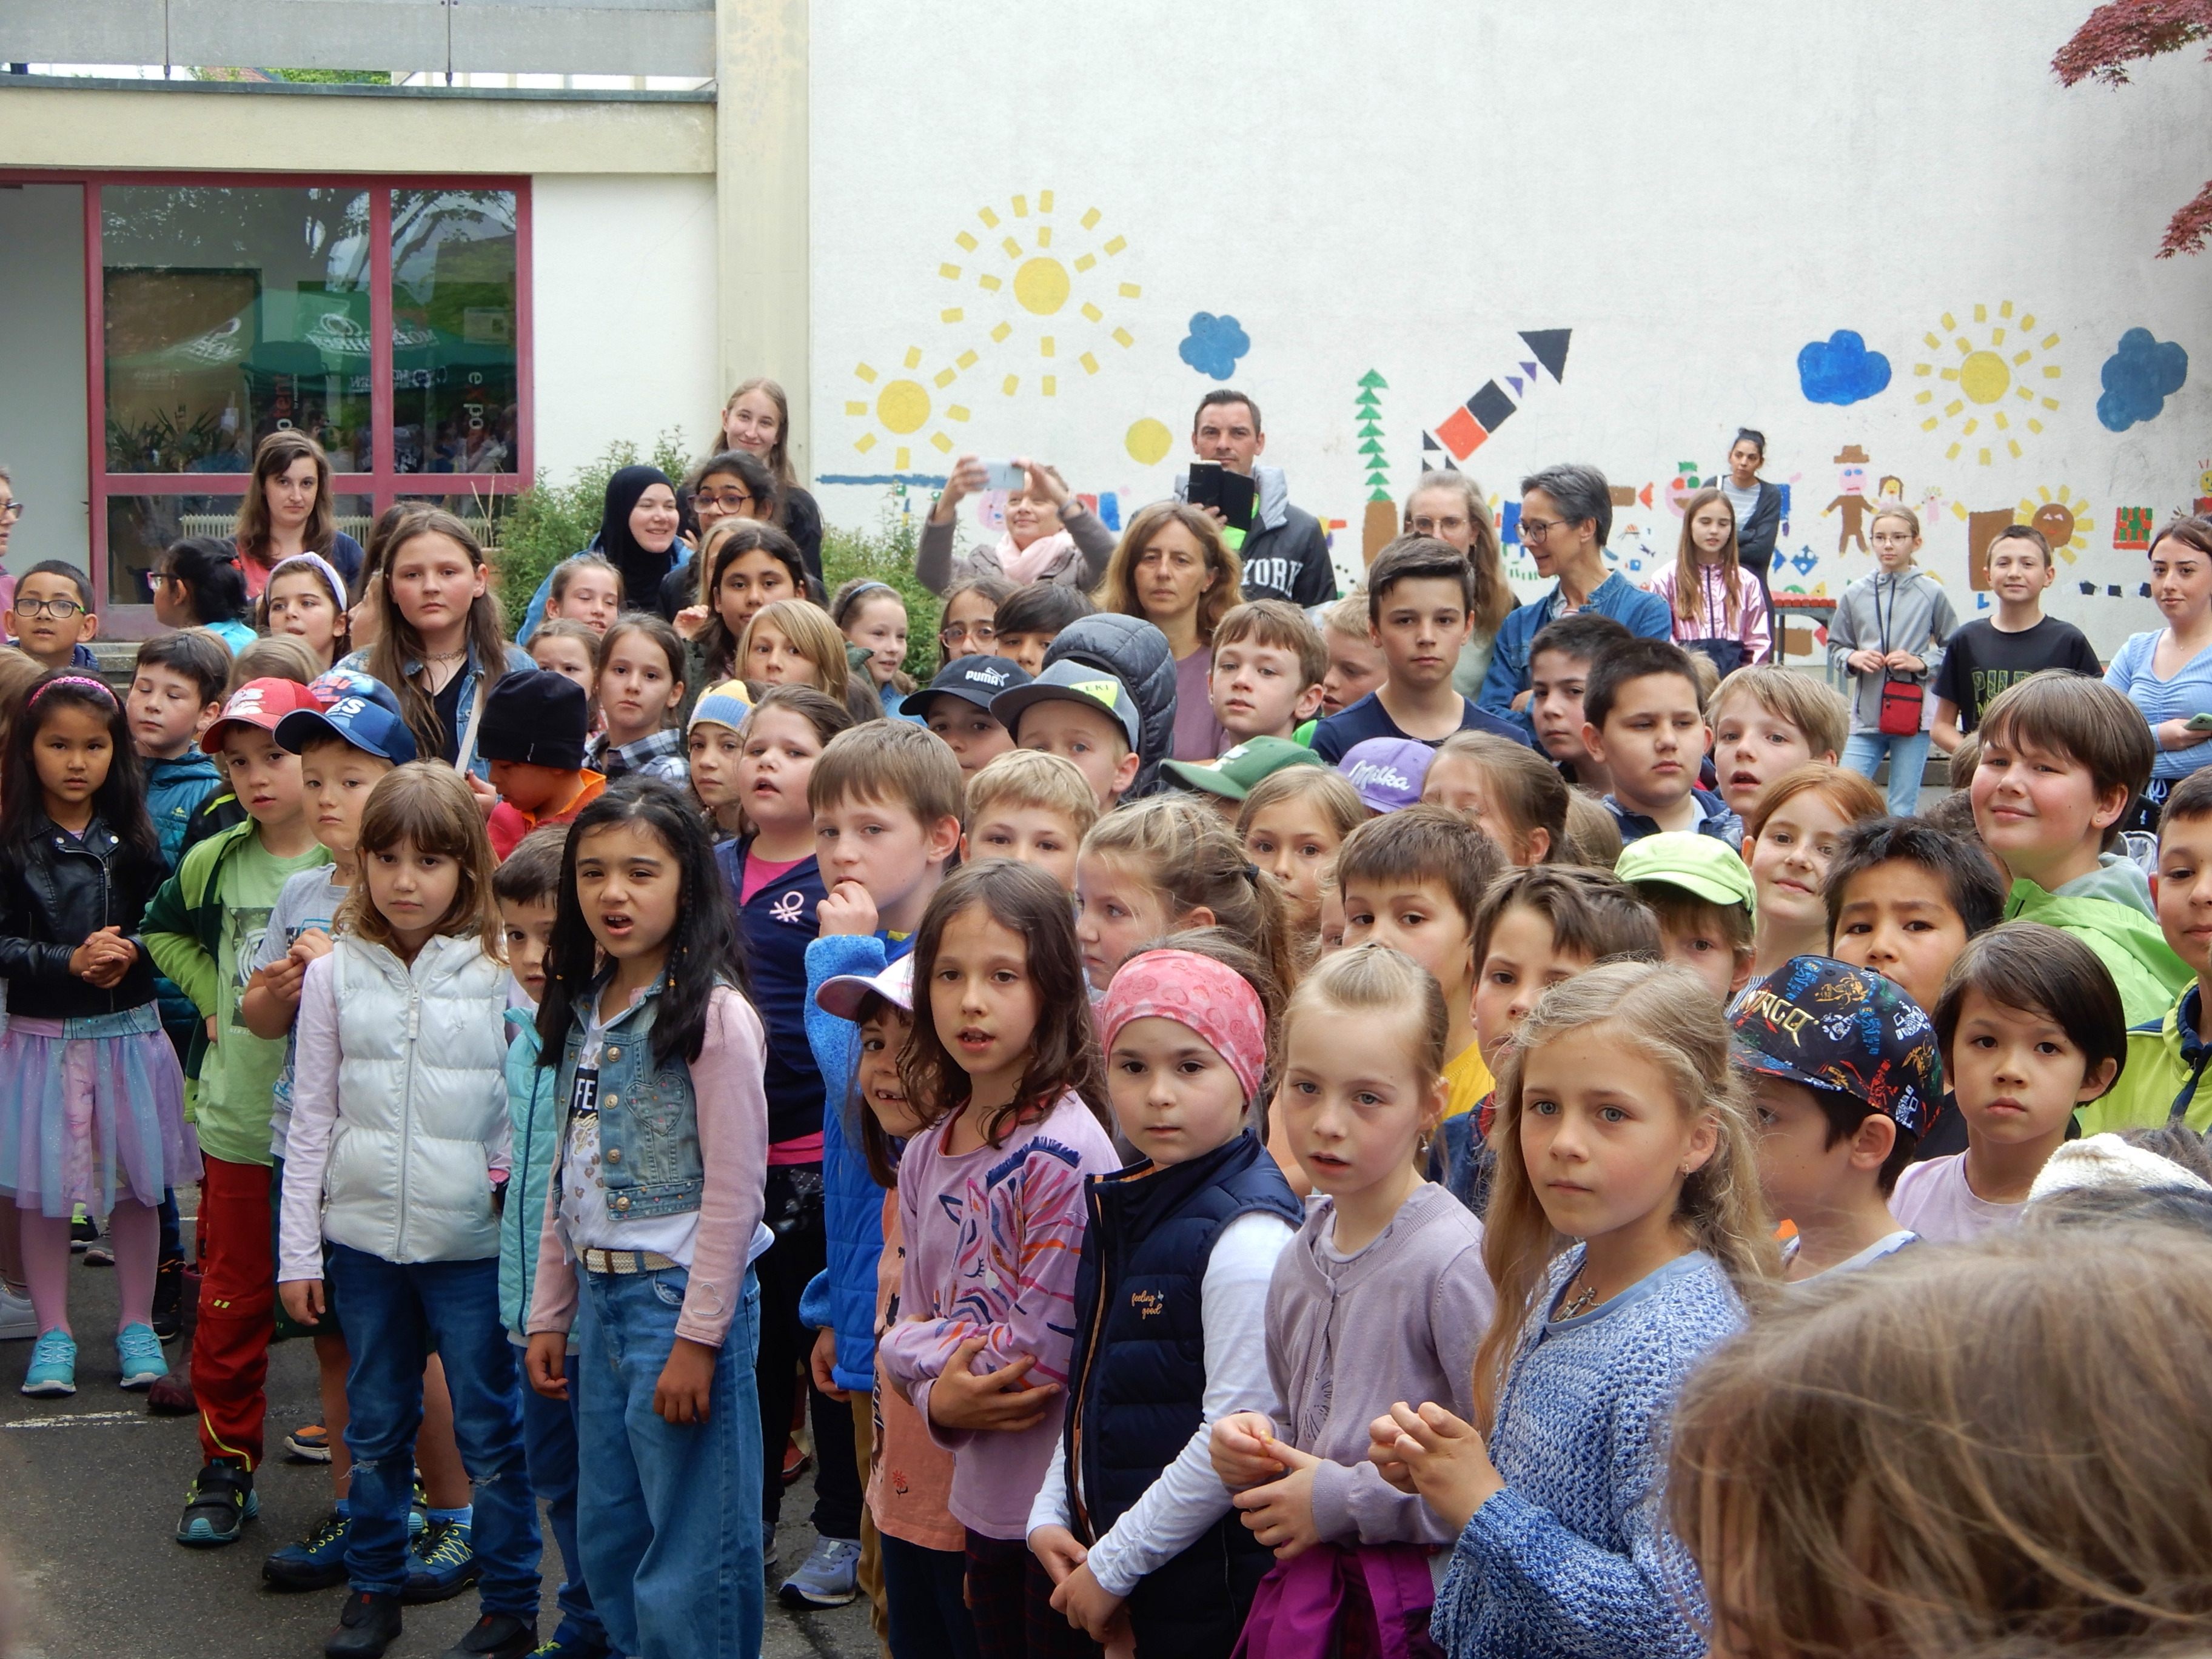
[[1064, 1052], [209, 568], [399, 642], [702, 951], [121, 800], [723, 547]]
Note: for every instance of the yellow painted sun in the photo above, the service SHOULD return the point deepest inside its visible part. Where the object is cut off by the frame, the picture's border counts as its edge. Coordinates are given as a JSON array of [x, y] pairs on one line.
[[2064, 519], [1992, 381], [1041, 285], [899, 405]]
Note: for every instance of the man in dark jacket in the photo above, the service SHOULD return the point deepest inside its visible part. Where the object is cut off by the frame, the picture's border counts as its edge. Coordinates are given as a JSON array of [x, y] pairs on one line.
[[1286, 555]]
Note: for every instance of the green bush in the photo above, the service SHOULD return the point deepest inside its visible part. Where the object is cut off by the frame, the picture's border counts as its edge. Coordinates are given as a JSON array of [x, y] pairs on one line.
[[548, 522]]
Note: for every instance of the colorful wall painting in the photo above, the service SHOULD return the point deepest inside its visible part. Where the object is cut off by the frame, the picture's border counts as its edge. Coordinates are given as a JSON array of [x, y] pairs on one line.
[[1999, 388], [1840, 369], [1468, 428], [2140, 375]]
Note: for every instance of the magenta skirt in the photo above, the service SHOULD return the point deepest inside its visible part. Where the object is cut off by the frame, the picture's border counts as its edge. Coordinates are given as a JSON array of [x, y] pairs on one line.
[[92, 1110]]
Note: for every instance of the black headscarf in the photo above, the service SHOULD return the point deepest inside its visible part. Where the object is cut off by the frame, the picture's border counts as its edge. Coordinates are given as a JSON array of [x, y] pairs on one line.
[[641, 568]]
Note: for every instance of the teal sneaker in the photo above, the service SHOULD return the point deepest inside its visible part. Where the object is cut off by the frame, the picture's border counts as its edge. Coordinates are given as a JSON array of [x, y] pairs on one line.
[[444, 1563], [53, 1366], [222, 1500], [138, 1351], [316, 1562]]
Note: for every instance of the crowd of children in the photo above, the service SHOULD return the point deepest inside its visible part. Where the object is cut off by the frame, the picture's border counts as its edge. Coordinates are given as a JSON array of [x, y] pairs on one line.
[[1414, 1174]]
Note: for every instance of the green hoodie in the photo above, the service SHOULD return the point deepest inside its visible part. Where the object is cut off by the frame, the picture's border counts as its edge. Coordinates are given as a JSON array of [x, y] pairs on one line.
[[2109, 911]]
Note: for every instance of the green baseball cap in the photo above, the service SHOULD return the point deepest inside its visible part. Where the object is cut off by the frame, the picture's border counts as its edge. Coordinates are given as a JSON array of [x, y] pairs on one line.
[[1703, 864], [1238, 768]]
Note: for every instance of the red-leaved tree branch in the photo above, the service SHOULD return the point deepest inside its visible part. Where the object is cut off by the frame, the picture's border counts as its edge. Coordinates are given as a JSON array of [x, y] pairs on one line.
[[2116, 35]]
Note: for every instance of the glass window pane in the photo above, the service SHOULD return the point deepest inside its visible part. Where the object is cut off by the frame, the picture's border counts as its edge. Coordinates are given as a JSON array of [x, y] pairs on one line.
[[454, 331], [231, 313], [140, 526]]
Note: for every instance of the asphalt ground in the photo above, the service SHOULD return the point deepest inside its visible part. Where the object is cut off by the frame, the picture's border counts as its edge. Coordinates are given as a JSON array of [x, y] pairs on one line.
[[91, 1486]]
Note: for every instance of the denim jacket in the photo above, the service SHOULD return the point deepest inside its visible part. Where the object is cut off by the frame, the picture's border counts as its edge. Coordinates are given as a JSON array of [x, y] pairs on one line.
[[649, 1159], [518, 661]]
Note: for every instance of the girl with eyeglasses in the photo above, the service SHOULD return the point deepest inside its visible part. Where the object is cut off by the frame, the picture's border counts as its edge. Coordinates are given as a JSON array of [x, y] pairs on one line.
[[968, 624]]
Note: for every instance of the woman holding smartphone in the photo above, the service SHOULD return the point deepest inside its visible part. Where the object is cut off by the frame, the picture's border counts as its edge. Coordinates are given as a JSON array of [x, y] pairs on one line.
[[1050, 537]]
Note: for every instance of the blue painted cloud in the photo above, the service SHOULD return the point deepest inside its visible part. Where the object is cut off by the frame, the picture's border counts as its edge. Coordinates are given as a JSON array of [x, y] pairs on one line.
[[2139, 378], [1840, 369], [1214, 345]]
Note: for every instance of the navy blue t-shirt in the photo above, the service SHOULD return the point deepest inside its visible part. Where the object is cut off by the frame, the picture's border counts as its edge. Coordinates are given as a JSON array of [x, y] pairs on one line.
[[774, 930], [1368, 718]]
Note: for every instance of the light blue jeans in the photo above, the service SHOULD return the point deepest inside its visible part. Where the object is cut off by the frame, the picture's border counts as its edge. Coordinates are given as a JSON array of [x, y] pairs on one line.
[[668, 1518], [1908, 759]]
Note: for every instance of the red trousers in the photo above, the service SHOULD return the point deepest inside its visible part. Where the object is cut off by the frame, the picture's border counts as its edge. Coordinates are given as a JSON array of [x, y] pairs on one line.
[[238, 1308]]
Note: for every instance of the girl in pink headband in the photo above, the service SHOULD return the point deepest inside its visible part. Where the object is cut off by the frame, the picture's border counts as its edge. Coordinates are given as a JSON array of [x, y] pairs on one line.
[[1132, 1523]]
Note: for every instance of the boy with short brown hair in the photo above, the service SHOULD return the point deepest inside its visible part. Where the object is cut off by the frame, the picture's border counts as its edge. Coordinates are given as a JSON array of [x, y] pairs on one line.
[[1990, 654], [1768, 719], [1268, 664]]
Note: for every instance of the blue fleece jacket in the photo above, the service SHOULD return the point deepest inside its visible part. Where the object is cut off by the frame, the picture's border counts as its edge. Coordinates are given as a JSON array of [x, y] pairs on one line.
[[852, 1202]]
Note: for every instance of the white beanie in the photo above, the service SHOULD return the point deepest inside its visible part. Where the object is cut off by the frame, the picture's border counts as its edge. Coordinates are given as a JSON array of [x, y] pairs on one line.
[[2106, 1160]]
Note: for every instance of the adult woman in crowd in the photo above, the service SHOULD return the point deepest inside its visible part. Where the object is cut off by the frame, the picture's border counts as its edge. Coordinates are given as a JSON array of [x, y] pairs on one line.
[[757, 420], [638, 524], [1172, 569], [1758, 507], [197, 583], [287, 510], [1050, 537], [1449, 506], [2167, 671], [442, 647], [730, 485]]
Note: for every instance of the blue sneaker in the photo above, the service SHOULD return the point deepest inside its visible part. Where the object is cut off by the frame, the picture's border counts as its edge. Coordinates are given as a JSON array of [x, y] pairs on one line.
[[830, 1577], [316, 1562], [444, 1563], [138, 1351], [53, 1366], [222, 1500]]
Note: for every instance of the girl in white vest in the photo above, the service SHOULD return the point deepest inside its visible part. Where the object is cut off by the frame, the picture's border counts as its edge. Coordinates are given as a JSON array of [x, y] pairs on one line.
[[397, 1149]]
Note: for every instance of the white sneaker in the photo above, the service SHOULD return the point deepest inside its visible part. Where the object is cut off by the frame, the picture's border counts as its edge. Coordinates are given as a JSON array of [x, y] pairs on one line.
[[17, 1321]]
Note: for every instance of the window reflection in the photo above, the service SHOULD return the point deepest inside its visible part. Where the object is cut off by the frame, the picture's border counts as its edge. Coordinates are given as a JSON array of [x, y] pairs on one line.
[[454, 331]]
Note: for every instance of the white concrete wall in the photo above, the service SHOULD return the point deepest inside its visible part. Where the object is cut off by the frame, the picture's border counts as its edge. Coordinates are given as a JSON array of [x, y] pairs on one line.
[[624, 286], [1697, 190], [42, 436]]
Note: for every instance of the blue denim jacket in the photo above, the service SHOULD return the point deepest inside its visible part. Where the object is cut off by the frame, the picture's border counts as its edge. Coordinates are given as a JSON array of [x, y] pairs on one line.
[[649, 1159]]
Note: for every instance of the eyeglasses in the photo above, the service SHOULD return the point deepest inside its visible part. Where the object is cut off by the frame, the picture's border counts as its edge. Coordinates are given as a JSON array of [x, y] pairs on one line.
[[730, 501], [981, 633], [1426, 526], [1893, 538], [10, 511], [1535, 530], [59, 609]]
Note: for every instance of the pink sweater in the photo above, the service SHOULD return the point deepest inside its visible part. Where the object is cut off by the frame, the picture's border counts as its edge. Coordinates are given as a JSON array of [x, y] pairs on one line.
[[732, 1112], [993, 1238], [1752, 630]]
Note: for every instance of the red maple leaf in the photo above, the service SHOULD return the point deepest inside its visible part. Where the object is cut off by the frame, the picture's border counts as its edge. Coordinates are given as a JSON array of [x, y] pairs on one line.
[[2115, 35]]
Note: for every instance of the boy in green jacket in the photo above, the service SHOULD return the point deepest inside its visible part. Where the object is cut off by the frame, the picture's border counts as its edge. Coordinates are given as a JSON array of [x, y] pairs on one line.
[[2064, 758], [2167, 1055]]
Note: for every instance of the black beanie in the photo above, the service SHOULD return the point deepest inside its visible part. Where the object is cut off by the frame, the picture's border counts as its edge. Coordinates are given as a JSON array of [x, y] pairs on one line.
[[536, 718]]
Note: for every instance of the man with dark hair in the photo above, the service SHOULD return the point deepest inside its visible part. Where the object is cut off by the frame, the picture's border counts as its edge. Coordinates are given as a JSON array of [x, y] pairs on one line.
[[1566, 514], [1286, 555]]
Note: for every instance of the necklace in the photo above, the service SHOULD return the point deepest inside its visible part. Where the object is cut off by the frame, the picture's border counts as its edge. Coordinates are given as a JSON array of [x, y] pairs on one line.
[[1581, 1303], [444, 656]]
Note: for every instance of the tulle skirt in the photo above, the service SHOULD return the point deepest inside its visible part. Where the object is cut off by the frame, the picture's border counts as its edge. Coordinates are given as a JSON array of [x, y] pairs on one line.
[[92, 1110]]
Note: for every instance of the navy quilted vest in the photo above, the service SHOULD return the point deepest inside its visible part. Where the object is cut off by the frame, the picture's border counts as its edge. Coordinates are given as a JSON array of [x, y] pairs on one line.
[[1139, 1366]]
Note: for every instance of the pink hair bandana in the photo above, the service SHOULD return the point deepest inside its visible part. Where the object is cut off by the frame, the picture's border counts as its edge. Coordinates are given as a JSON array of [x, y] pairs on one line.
[[1215, 1001]]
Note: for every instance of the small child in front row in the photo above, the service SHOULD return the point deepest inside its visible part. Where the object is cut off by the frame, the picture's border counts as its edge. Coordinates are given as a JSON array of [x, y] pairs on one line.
[[1507, 790], [1133, 1524], [398, 1142], [1534, 928], [1839, 1103], [528, 888], [2030, 1029], [1553, 1488], [1031, 806], [91, 1097], [648, 1255], [1382, 1297], [1003, 1063]]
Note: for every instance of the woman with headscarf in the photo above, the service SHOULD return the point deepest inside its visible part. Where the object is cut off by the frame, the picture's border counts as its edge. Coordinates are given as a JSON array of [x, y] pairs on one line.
[[638, 525]]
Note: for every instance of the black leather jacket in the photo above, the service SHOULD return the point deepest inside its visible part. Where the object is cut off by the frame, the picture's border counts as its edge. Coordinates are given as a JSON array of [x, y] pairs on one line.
[[59, 890]]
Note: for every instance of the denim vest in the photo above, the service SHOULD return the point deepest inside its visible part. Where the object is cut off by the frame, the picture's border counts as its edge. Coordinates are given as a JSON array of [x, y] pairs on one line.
[[649, 1159]]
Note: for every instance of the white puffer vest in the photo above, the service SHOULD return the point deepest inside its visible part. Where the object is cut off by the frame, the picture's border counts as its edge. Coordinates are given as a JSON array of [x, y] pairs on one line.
[[421, 1101]]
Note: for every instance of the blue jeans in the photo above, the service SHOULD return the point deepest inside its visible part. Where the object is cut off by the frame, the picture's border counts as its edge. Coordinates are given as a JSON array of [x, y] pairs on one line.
[[393, 1314], [668, 1516], [1908, 759], [549, 1444]]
